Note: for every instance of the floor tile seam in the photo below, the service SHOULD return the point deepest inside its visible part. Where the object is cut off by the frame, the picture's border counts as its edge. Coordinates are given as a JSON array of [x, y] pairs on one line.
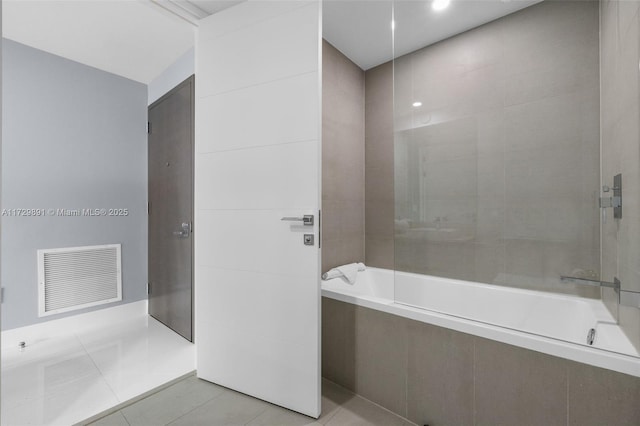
[[332, 415], [195, 408], [330, 419], [388, 411], [102, 375], [124, 417], [259, 414], [129, 402]]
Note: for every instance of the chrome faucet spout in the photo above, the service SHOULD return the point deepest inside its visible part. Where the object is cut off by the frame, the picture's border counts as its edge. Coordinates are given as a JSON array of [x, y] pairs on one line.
[[585, 281]]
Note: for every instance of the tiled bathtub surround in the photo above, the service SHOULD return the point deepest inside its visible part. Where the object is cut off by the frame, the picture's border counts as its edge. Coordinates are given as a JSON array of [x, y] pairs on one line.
[[379, 166], [342, 159], [496, 173], [432, 375], [620, 112]]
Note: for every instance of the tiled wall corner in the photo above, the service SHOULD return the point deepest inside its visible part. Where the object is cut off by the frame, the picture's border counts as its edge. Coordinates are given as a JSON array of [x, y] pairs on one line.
[[379, 182], [342, 159], [338, 342]]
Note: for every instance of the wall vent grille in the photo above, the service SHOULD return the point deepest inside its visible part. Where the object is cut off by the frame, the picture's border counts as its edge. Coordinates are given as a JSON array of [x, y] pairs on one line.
[[78, 277]]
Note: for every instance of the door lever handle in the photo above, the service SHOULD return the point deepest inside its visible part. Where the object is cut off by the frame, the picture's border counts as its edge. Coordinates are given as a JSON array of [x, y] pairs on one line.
[[307, 219]]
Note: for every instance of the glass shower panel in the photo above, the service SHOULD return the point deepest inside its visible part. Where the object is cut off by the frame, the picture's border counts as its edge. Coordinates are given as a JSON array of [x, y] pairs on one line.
[[620, 106], [497, 143]]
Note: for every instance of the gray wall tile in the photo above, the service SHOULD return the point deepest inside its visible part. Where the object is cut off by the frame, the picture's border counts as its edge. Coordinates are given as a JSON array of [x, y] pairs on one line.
[[602, 397], [516, 386], [338, 342], [453, 378], [379, 180], [439, 376], [381, 357], [504, 149], [380, 251], [342, 160]]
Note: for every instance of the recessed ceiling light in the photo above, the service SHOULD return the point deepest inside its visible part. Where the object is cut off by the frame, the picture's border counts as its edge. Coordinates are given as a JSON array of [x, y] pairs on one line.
[[417, 104], [440, 4]]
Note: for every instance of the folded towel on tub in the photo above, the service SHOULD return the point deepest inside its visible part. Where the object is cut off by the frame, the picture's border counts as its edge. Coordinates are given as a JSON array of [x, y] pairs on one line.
[[349, 272]]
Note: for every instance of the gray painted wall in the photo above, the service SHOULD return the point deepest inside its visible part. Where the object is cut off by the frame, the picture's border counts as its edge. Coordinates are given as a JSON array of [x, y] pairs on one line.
[[183, 68], [73, 137]]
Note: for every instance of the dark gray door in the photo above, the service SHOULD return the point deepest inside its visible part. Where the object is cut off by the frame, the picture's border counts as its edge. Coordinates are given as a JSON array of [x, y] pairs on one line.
[[171, 123]]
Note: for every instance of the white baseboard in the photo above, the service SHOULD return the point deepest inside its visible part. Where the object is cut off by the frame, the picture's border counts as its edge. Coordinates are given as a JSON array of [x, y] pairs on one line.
[[74, 324]]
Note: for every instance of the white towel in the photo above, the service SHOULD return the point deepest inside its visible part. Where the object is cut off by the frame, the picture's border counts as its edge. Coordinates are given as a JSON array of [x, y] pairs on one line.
[[349, 272]]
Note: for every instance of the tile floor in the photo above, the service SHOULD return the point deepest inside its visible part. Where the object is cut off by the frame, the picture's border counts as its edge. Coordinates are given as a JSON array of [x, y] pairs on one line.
[[65, 379], [196, 402]]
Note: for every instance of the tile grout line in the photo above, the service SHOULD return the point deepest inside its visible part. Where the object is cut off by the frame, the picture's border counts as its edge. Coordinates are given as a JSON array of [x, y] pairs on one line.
[[102, 376], [382, 408], [474, 382], [333, 415], [224, 390], [159, 391], [328, 422], [261, 413], [567, 404], [124, 417], [120, 407], [355, 395]]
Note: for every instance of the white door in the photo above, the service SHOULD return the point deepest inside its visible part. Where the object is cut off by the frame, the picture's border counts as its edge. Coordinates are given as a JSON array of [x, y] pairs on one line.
[[258, 129]]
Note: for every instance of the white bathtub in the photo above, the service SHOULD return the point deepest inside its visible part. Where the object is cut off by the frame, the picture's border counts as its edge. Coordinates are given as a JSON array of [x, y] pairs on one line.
[[540, 321]]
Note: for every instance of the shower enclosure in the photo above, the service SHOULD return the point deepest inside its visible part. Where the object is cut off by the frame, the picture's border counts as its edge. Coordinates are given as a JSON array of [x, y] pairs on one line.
[[502, 216], [507, 137]]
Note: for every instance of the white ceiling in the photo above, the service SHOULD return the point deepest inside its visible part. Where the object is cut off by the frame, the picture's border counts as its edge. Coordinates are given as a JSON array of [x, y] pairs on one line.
[[134, 39], [139, 39], [362, 29], [215, 6]]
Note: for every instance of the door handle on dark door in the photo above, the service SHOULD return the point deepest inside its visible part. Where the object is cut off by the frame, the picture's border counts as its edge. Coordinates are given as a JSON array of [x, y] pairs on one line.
[[186, 230]]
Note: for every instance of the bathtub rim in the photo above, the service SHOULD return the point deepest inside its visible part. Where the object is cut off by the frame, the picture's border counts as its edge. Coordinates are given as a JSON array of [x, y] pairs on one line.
[[602, 358]]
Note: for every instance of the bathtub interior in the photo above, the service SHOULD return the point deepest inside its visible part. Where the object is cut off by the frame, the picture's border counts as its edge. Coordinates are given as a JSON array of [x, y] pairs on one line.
[[527, 310], [561, 317]]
